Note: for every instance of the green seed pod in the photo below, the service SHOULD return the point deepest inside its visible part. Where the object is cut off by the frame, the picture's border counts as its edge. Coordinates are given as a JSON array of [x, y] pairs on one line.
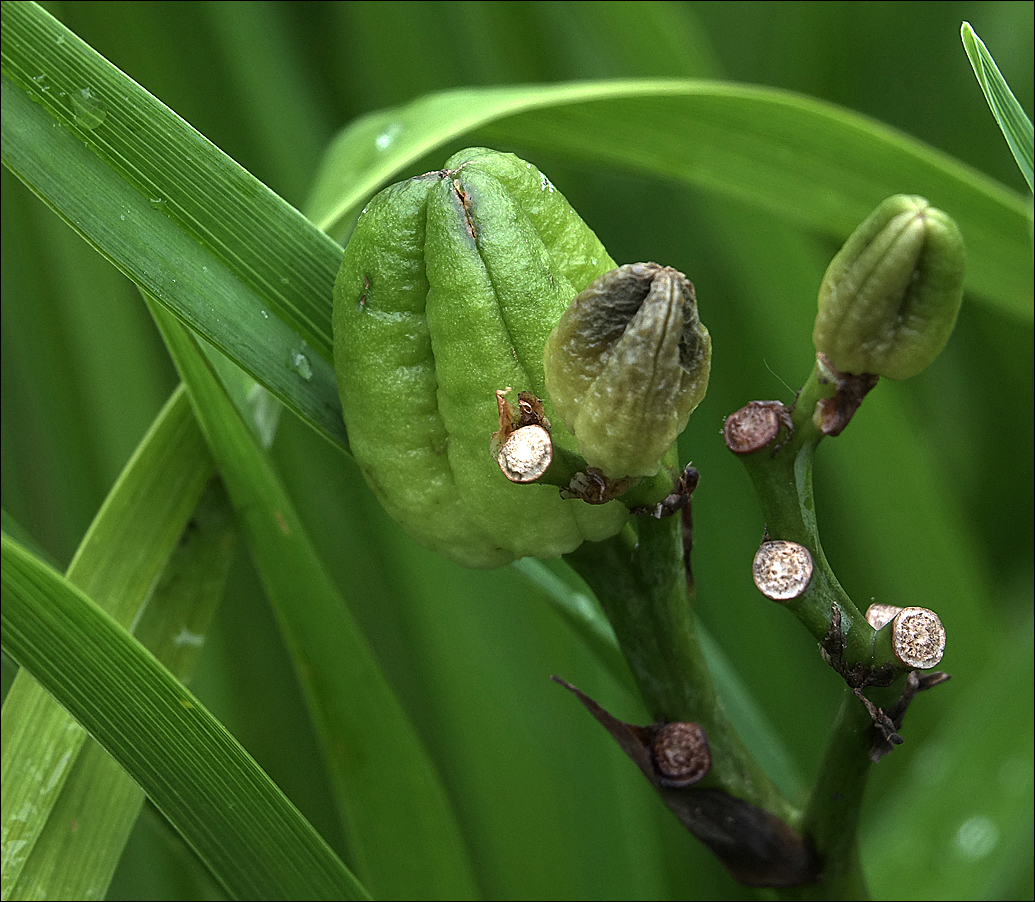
[[448, 289], [890, 296], [626, 366]]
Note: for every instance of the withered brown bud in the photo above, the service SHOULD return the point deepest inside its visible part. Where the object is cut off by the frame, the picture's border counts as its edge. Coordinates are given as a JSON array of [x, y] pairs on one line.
[[626, 365]]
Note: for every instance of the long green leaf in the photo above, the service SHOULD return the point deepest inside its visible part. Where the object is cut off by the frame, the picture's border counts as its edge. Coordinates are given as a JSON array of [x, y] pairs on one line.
[[391, 798], [120, 558], [248, 833], [99, 798], [1016, 126], [813, 163], [171, 211]]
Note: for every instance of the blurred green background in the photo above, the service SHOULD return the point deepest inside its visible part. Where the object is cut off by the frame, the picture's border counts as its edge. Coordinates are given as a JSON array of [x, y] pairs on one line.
[[927, 499]]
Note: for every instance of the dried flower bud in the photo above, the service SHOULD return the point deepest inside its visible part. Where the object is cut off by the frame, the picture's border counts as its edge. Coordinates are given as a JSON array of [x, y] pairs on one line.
[[890, 296], [626, 366]]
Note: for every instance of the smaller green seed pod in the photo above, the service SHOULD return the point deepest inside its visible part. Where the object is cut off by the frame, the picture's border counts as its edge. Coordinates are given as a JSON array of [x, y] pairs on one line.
[[890, 297], [626, 366]]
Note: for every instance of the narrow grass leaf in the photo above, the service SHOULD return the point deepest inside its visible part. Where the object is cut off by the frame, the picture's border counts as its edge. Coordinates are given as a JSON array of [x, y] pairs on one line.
[[171, 211], [813, 163], [1016, 126], [582, 613], [77, 854], [400, 824], [121, 556], [247, 832]]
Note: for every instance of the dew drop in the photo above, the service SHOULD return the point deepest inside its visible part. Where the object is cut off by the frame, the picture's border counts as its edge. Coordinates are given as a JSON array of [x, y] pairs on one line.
[[89, 111], [384, 140], [186, 638], [301, 365], [977, 837]]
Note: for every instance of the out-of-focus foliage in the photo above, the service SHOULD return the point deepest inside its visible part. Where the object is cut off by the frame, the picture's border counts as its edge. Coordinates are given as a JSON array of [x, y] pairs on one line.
[[926, 499]]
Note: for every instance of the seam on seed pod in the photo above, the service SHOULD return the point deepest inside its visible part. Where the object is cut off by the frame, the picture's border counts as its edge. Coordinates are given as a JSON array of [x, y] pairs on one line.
[[466, 207]]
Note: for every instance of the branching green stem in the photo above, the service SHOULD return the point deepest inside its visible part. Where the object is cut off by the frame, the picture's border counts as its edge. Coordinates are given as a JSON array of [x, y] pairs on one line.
[[782, 475], [641, 583], [783, 481]]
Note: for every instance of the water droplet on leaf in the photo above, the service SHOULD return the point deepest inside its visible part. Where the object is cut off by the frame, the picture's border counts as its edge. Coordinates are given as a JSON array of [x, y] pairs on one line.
[[384, 140], [977, 837], [89, 111], [301, 365]]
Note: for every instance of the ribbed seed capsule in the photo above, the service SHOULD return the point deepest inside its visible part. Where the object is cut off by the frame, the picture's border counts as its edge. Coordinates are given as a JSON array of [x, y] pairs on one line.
[[626, 366], [448, 289], [890, 297]]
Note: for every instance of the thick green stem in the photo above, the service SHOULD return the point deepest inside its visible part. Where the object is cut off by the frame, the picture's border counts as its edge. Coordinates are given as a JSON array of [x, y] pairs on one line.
[[832, 814], [641, 584]]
